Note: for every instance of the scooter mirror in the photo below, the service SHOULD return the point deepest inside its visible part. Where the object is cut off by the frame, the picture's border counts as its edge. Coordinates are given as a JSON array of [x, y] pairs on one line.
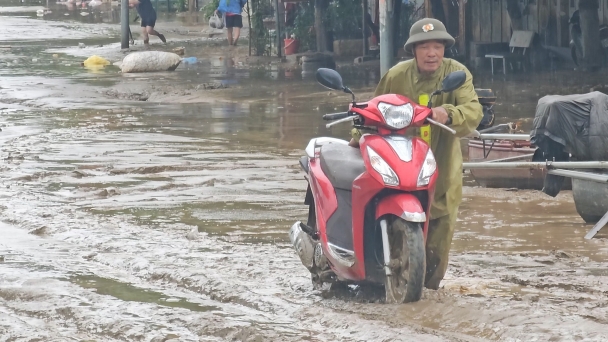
[[329, 78], [453, 81]]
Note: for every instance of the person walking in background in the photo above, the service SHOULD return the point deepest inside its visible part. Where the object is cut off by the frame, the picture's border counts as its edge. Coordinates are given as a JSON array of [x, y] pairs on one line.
[[148, 19], [231, 10]]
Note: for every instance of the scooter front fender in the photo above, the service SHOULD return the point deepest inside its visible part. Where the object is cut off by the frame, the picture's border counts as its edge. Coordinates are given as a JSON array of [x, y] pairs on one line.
[[403, 205]]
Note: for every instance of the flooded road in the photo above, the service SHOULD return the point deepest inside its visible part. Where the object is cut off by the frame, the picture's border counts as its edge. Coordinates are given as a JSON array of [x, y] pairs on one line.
[[148, 208]]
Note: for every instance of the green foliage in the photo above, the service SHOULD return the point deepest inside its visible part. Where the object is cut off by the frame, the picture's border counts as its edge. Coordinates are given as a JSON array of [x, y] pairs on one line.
[[259, 35], [304, 27], [209, 8], [344, 19]]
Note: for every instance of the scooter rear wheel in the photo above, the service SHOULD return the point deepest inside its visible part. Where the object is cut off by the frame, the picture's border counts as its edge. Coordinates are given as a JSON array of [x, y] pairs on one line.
[[408, 262]]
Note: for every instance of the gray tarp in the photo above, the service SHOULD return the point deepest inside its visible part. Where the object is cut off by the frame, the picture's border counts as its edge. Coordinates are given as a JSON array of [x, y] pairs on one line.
[[576, 124]]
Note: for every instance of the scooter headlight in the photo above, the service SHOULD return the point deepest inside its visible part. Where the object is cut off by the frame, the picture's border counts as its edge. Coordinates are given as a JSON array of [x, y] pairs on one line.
[[397, 117], [428, 169], [388, 175]]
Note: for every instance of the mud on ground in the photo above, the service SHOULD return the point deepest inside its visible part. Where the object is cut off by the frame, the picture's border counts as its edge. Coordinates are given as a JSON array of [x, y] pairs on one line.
[[166, 218]]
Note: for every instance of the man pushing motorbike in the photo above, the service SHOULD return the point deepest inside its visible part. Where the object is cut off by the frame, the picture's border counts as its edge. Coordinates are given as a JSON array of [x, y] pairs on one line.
[[417, 79]]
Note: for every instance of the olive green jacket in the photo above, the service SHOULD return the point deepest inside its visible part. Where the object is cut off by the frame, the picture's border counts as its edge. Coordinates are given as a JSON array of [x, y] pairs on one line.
[[466, 113]]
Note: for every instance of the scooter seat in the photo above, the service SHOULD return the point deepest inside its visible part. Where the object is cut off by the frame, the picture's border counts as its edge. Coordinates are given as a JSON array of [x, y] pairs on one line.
[[341, 164]]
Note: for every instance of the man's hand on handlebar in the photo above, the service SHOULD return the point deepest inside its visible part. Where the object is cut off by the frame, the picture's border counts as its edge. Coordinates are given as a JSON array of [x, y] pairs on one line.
[[440, 115]]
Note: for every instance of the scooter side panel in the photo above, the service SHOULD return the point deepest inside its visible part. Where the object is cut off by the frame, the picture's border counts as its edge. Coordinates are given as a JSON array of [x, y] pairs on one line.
[[326, 204], [365, 187], [325, 197]]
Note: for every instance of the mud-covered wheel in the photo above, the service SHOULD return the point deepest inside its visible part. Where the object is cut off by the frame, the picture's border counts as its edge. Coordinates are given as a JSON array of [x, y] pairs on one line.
[[408, 262]]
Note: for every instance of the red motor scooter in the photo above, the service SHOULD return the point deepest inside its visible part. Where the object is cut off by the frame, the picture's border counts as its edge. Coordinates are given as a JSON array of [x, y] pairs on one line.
[[369, 206]]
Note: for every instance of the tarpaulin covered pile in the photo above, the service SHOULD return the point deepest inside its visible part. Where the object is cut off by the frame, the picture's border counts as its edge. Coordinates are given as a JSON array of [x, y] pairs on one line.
[[572, 124]]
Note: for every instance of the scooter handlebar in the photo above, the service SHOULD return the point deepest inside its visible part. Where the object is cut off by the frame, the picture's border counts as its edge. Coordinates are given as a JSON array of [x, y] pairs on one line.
[[335, 116], [441, 125]]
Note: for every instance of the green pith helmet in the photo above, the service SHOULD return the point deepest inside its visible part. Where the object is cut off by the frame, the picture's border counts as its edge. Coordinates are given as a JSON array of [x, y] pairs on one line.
[[427, 29]]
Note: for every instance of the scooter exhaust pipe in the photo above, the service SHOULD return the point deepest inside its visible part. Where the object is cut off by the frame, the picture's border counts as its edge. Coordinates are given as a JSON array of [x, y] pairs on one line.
[[303, 244], [309, 250]]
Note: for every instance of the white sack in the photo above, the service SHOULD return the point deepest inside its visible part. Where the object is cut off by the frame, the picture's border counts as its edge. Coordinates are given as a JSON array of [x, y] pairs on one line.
[[147, 61]]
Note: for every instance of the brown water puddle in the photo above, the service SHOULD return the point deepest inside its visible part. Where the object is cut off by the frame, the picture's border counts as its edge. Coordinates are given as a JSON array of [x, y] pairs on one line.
[[524, 221]]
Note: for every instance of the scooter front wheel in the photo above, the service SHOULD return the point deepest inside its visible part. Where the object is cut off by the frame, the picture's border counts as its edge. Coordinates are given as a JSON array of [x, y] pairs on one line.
[[407, 262]]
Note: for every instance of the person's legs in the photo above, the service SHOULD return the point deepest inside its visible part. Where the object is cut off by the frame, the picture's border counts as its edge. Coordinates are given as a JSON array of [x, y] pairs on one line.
[[147, 24], [438, 243], [237, 32], [237, 25], [152, 31], [144, 35], [229, 35]]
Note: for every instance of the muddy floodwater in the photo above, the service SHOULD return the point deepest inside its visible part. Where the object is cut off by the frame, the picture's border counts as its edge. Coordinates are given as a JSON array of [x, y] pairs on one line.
[[153, 207]]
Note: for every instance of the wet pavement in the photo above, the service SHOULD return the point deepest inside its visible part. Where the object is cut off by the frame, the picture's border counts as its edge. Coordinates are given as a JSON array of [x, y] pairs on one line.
[[148, 208]]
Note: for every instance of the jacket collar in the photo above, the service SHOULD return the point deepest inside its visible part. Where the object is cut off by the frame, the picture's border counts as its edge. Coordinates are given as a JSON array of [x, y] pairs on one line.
[[418, 76]]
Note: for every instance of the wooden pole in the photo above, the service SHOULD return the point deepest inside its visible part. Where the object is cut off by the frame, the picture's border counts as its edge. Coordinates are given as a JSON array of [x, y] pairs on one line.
[[447, 14], [590, 23], [565, 27], [462, 38], [427, 9], [320, 29], [387, 50], [277, 18], [364, 6], [124, 24], [249, 23]]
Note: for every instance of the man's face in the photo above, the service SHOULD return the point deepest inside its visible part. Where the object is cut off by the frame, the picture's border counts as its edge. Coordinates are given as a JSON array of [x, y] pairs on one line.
[[429, 55]]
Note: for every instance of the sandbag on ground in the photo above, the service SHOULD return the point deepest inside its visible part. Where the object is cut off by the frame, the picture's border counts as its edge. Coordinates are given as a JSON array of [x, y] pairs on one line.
[[147, 61]]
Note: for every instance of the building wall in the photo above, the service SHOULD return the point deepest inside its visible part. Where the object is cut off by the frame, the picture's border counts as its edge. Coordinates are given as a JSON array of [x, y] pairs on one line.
[[488, 20]]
